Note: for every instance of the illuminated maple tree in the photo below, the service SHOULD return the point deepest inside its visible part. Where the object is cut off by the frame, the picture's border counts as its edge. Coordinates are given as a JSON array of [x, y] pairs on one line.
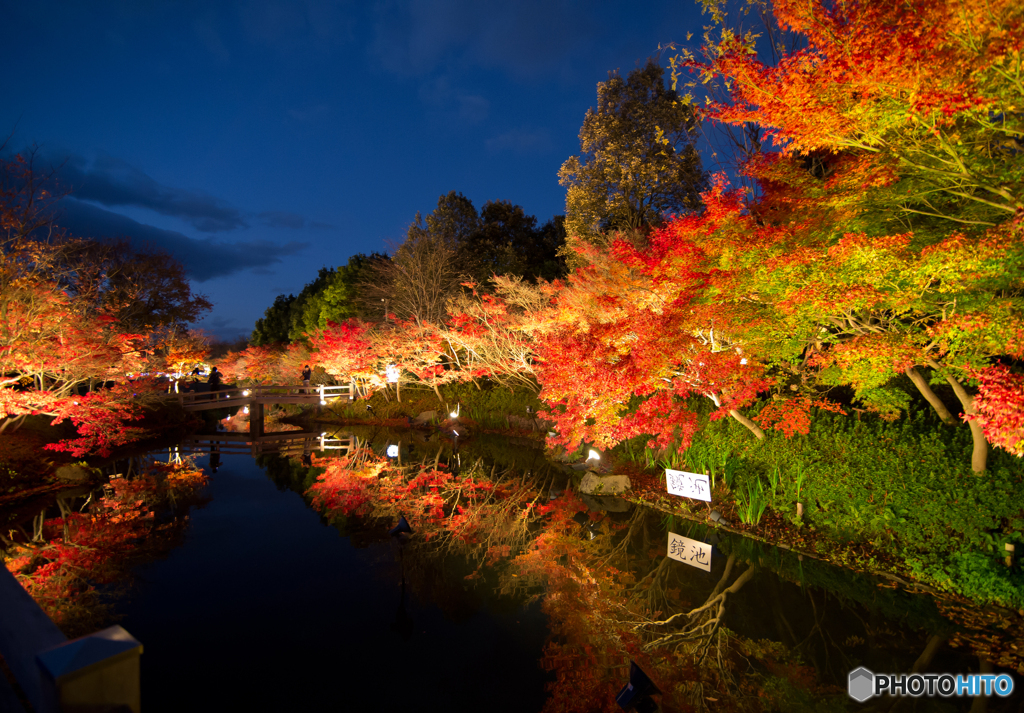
[[923, 94], [70, 343]]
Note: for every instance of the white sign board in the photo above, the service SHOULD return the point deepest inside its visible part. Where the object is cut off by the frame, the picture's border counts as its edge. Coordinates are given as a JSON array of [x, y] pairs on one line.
[[393, 372], [689, 485], [696, 554]]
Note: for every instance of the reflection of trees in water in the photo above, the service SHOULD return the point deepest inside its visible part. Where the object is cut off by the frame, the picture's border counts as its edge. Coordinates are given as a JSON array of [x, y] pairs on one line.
[[76, 563], [463, 520], [616, 597], [609, 592], [709, 641]]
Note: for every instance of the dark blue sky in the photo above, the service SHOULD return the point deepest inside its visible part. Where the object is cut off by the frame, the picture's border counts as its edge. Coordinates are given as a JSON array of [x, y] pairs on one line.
[[259, 141]]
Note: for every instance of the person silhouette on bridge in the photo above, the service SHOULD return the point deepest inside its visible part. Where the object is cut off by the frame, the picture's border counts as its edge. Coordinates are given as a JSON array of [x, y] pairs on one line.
[[214, 380], [306, 375]]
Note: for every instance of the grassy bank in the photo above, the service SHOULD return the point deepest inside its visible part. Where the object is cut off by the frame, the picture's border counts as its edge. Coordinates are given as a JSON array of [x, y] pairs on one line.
[[904, 490]]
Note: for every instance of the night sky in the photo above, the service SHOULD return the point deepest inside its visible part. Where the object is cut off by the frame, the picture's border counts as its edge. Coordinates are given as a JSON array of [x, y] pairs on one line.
[[260, 141]]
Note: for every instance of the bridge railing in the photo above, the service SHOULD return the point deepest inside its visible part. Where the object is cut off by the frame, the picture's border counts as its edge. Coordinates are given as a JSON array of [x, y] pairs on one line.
[[271, 393]]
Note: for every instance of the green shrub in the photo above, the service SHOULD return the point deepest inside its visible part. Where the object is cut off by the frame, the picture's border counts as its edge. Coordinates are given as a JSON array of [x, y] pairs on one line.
[[905, 486]]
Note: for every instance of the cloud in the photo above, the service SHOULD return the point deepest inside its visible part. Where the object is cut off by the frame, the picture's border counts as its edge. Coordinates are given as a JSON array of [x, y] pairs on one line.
[[291, 221], [112, 182], [525, 38], [520, 141], [473, 108], [115, 183], [287, 25], [439, 94], [203, 259], [310, 114], [225, 329], [281, 219], [211, 40]]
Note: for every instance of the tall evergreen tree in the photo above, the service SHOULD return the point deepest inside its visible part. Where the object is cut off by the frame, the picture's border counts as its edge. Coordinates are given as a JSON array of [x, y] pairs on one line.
[[637, 162]]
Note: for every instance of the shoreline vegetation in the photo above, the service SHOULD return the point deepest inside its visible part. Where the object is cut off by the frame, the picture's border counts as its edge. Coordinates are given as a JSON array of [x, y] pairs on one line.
[[920, 522], [924, 521], [940, 533]]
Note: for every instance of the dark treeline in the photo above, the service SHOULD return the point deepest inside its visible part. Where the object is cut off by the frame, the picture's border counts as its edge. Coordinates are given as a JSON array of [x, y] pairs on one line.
[[453, 245]]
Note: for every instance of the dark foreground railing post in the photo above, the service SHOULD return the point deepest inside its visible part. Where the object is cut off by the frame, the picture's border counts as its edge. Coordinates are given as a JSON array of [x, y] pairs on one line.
[[96, 672]]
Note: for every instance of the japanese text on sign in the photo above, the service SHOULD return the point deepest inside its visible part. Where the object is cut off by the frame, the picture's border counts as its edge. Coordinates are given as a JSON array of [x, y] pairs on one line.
[[693, 553], [689, 485]]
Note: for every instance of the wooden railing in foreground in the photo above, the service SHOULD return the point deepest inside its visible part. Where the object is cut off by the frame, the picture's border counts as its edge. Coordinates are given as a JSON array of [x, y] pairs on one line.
[[51, 674]]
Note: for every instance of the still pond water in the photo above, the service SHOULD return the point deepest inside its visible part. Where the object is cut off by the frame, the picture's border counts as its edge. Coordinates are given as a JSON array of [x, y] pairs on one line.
[[266, 605]]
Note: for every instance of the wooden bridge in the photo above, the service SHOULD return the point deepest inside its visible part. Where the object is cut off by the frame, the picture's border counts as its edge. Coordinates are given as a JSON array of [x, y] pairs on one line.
[[259, 395], [255, 397]]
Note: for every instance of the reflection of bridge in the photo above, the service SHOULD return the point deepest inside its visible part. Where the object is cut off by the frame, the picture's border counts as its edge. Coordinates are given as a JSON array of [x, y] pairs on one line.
[[286, 443]]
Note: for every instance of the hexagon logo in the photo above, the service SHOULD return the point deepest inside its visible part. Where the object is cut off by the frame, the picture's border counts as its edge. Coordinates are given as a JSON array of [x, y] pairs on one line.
[[861, 684]]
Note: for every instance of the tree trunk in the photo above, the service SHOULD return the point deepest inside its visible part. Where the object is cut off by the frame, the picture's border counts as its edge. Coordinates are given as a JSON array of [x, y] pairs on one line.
[[980, 704], [922, 385], [923, 662], [930, 649], [979, 457], [438, 392], [754, 428]]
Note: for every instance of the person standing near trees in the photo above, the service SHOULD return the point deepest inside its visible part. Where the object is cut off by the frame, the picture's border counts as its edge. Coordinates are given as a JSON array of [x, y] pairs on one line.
[[214, 380], [306, 376]]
